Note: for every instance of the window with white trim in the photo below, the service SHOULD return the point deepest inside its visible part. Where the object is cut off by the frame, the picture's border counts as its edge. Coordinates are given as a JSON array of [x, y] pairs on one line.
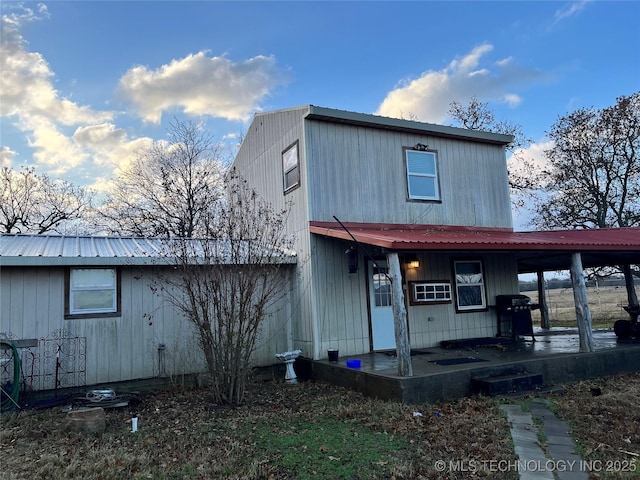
[[422, 175], [93, 291], [291, 167], [430, 292], [470, 288]]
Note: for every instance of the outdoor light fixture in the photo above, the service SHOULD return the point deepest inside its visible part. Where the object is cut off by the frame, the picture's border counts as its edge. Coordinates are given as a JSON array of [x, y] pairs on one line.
[[412, 261], [421, 146], [352, 259]]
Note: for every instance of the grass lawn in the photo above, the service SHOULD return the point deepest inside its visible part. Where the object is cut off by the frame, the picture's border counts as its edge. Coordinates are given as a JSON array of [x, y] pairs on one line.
[[318, 431], [310, 430], [604, 304]]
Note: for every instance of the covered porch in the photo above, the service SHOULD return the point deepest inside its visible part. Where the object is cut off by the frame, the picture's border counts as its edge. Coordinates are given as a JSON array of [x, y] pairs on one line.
[[480, 365], [533, 252]]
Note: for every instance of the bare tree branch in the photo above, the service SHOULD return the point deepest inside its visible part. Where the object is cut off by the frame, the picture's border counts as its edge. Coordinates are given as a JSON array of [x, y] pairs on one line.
[[32, 203], [229, 282], [477, 115], [170, 189]]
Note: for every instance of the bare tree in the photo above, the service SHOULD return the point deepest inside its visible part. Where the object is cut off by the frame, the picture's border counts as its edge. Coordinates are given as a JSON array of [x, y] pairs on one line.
[[477, 115], [37, 204], [170, 189], [226, 284], [594, 180]]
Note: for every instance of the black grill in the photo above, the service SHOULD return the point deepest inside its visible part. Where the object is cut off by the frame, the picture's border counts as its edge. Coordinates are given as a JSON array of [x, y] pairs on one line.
[[514, 315]]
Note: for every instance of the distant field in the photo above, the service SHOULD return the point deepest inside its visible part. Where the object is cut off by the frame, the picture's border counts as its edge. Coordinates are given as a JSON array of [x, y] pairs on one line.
[[604, 303]]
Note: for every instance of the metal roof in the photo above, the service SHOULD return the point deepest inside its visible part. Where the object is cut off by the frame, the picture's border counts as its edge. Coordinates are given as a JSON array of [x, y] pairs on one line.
[[332, 115], [398, 124], [51, 250], [538, 250]]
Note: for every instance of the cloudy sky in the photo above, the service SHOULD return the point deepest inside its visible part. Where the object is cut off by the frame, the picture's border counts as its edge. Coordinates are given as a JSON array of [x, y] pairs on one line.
[[84, 85]]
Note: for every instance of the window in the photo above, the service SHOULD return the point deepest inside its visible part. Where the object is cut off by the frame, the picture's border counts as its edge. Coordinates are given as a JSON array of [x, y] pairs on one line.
[[422, 175], [381, 287], [92, 291], [470, 294], [430, 292], [291, 167]]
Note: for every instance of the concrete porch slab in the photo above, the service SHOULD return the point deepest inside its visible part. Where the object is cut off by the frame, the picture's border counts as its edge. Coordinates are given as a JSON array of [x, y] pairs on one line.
[[555, 355]]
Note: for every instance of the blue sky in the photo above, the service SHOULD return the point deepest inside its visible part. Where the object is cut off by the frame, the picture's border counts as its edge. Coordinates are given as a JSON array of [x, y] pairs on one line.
[[86, 84]]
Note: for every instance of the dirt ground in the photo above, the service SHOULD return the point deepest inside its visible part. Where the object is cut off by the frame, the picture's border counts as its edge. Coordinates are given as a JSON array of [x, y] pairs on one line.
[[329, 430]]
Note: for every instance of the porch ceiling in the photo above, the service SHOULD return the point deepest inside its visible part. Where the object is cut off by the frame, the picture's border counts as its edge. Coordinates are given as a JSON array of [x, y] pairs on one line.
[[540, 250]]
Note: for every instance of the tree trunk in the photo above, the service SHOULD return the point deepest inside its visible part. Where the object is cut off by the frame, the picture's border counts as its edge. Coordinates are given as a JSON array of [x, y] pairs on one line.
[[583, 313], [632, 296], [542, 300], [403, 347]]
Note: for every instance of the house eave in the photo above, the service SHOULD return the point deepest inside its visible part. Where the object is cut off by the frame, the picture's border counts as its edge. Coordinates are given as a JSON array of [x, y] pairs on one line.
[[396, 124]]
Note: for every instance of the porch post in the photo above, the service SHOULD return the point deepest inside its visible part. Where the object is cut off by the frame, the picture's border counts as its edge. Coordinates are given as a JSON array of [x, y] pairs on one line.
[[632, 297], [542, 300], [403, 347], [583, 313]]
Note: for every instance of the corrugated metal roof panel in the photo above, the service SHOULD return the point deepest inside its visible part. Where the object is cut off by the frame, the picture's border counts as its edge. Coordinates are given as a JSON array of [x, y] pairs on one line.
[[426, 237], [42, 250]]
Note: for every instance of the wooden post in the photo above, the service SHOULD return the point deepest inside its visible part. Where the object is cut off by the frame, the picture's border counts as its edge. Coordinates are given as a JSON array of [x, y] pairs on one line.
[[632, 297], [542, 300], [403, 347], [583, 313]]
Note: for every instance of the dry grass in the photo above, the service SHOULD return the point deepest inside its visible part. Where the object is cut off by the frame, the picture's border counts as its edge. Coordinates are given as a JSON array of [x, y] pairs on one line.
[[606, 426], [311, 430], [314, 430], [604, 303]]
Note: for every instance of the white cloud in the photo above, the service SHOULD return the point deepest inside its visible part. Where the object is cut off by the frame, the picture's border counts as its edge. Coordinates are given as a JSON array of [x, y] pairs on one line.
[[52, 148], [78, 141], [512, 99], [6, 156], [533, 154], [428, 97], [570, 10], [201, 85], [27, 95], [110, 145]]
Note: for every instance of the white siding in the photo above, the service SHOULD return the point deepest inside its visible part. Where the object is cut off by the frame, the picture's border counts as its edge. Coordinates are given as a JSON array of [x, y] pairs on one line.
[[259, 161], [123, 347], [340, 300], [358, 174], [500, 276]]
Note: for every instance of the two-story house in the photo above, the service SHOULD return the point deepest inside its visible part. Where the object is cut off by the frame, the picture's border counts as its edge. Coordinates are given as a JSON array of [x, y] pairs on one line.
[[436, 195]]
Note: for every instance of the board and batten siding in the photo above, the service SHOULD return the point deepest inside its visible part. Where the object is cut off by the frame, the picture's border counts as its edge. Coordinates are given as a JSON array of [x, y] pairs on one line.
[[431, 324], [259, 162], [340, 300], [358, 174], [124, 347]]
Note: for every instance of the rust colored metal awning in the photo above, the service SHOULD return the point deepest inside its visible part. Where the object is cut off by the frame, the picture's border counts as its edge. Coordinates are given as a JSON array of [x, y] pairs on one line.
[[538, 250]]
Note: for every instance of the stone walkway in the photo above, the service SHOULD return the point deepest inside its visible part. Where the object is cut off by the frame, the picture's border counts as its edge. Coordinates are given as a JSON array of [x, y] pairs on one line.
[[557, 460]]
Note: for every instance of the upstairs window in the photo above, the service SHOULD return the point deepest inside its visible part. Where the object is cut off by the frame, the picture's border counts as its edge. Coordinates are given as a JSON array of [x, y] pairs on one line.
[[422, 175], [470, 293], [291, 167], [93, 291]]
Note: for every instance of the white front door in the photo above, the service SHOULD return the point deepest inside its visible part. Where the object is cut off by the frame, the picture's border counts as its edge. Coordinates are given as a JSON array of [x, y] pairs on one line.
[[382, 329]]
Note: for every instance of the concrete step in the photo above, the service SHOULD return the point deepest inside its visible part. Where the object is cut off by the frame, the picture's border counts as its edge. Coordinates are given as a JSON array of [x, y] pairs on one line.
[[508, 383]]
